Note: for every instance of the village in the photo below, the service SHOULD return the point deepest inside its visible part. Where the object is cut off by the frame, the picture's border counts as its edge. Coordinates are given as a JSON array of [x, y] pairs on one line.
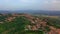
[[35, 24]]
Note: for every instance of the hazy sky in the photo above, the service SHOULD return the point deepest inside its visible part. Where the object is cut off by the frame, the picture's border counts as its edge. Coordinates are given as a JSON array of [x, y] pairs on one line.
[[30, 4]]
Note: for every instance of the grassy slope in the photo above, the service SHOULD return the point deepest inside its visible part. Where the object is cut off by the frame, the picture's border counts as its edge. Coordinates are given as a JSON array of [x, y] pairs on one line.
[[17, 26]]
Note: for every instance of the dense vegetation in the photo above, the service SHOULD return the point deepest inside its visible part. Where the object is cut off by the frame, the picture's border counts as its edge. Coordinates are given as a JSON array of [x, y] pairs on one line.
[[54, 22], [17, 26]]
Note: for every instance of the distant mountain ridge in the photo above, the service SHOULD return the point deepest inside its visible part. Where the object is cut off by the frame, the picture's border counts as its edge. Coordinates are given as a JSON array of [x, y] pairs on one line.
[[52, 13]]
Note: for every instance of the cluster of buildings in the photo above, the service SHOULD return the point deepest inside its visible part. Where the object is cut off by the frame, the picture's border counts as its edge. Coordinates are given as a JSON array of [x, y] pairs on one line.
[[36, 23]]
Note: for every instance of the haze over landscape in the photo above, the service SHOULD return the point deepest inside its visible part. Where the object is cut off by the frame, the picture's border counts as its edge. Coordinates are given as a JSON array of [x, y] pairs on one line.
[[29, 16]]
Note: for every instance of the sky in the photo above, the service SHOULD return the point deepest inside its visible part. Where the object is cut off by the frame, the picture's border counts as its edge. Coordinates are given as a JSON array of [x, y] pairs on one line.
[[29, 4]]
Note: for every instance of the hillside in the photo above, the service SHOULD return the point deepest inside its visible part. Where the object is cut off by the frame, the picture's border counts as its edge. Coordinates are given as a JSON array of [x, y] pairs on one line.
[[28, 24]]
